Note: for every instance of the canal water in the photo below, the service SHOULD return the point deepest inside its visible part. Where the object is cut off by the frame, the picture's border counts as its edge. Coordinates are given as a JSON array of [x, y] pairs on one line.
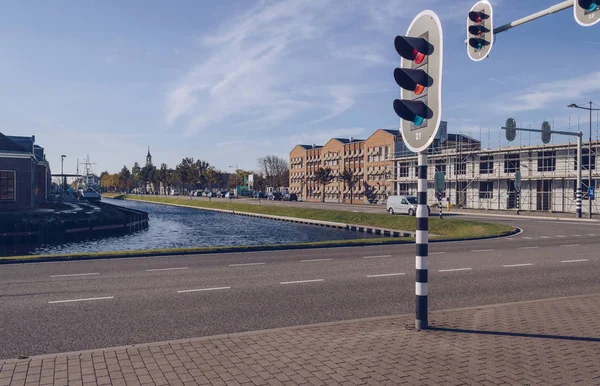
[[176, 227]]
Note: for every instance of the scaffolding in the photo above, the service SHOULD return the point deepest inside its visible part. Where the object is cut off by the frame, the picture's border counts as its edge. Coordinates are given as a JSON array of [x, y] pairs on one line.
[[483, 177]]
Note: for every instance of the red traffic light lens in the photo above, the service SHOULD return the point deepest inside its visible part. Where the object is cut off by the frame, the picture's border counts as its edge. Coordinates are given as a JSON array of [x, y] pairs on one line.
[[478, 19], [419, 89], [418, 57]]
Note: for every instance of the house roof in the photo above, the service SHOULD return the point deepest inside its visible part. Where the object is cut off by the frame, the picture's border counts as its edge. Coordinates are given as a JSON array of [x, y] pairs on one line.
[[461, 138], [348, 140], [7, 144], [308, 147], [392, 132]]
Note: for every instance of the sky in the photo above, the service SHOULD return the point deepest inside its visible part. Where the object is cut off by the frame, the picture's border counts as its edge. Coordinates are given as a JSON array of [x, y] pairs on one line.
[[231, 81]]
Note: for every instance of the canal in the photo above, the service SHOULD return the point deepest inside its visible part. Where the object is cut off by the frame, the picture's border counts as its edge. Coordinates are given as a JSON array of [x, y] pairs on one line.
[[176, 227]]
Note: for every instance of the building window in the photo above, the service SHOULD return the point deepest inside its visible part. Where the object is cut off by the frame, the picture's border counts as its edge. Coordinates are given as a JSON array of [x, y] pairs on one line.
[[460, 167], [546, 161], [403, 170], [486, 189], [512, 163], [486, 164], [585, 159], [7, 185]]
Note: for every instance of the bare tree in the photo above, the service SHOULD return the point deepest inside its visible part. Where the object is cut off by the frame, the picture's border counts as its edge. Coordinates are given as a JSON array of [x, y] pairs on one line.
[[275, 169]]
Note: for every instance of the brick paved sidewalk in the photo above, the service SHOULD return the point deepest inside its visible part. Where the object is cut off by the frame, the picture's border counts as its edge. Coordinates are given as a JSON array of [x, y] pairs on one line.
[[546, 342]]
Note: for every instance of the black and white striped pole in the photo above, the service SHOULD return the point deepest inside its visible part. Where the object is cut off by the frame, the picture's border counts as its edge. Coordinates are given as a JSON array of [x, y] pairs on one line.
[[579, 168], [422, 241], [518, 193], [419, 108]]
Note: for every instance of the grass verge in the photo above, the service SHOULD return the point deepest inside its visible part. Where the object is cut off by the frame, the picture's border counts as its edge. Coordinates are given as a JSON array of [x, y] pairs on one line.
[[444, 229]]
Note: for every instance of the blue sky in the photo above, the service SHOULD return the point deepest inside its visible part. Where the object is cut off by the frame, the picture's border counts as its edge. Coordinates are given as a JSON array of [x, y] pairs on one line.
[[230, 81]]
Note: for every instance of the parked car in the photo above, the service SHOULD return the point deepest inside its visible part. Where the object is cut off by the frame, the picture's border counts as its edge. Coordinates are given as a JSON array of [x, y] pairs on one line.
[[229, 195], [403, 204], [290, 197], [259, 195], [274, 196]]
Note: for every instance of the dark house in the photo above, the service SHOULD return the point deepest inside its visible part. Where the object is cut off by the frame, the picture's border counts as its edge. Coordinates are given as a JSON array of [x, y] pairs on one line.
[[24, 173]]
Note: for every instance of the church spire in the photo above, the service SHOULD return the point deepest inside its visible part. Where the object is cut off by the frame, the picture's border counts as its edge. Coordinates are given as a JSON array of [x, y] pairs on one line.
[[148, 158]]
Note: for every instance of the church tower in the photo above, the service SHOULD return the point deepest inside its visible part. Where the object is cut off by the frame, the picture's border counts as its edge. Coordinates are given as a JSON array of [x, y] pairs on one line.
[[148, 158]]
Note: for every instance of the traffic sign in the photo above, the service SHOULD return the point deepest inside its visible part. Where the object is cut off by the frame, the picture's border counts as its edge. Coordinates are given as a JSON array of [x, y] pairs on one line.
[[591, 192], [518, 180], [420, 79], [586, 12], [439, 181]]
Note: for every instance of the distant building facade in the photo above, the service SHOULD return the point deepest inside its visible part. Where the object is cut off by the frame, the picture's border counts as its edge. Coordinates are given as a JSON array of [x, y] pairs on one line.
[[25, 177]]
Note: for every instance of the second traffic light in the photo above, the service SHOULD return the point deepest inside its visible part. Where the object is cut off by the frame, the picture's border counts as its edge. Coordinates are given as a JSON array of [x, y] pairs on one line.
[[420, 79], [480, 31], [587, 12]]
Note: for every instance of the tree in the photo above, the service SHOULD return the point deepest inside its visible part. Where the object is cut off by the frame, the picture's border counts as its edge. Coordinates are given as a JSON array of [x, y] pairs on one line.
[[323, 177], [147, 175], [350, 181], [275, 169], [124, 178], [161, 176], [135, 177], [200, 168], [212, 177], [186, 170]]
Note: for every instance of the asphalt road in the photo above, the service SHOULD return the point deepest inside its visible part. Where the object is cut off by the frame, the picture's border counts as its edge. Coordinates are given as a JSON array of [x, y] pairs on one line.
[[66, 306]]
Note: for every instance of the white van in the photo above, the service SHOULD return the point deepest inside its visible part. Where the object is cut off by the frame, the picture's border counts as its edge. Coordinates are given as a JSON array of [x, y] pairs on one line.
[[403, 204]]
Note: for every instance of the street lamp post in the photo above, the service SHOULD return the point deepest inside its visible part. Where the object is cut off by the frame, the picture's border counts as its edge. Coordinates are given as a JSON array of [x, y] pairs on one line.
[[573, 105], [236, 180], [62, 160]]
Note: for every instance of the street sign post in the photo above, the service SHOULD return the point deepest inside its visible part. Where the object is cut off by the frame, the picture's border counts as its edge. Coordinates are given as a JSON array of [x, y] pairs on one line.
[[420, 109], [518, 189], [439, 186]]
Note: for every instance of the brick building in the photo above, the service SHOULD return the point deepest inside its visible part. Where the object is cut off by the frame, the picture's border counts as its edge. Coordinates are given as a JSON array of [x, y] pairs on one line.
[[24, 173]]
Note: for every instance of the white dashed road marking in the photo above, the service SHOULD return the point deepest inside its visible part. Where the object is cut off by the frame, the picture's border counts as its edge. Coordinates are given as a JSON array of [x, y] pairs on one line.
[[437, 253], [166, 269], [517, 265], [544, 237], [526, 238], [560, 236], [301, 281], [376, 257], [244, 264], [454, 270], [387, 274], [576, 235], [76, 274], [314, 260], [528, 248], [591, 234], [569, 245], [80, 300], [483, 250], [203, 289], [574, 261]]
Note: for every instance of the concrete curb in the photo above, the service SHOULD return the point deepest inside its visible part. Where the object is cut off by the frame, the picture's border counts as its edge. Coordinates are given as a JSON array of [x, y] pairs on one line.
[[524, 216]]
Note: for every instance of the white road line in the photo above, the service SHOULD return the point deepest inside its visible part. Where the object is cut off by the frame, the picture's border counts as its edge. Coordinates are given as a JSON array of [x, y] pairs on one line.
[[387, 274], [80, 300], [203, 289], [454, 269], [483, 250], [573, 261], [528, 248], [591, 234], [570, 245], [576, 235], [526, 238], [75, 274], [544, 237], [376, 257], [517, 265], [314, 260], [300, 281], [437, 253], [561, 236], [244, 264], [166, 269]]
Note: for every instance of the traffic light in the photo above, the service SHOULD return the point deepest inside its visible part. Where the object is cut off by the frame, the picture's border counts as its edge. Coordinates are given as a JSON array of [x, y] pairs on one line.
[[480, 31], [420, 79], [511, 132], [587, 12], [546, 132]]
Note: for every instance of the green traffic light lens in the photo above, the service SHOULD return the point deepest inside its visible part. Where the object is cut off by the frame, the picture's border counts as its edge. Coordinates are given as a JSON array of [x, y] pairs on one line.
[[418, 120], [593, 7]]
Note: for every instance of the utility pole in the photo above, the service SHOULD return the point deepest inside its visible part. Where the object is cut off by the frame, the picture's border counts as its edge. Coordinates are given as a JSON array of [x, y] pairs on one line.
[[573, 105], [62, 160]]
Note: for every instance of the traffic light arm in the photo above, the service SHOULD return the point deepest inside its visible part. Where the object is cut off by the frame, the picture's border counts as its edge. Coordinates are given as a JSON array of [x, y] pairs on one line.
[[578, 134], [554, 9]]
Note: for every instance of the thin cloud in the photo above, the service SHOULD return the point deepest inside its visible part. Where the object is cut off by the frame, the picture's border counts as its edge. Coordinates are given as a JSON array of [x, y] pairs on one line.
[[546, 94], [497, 81]]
